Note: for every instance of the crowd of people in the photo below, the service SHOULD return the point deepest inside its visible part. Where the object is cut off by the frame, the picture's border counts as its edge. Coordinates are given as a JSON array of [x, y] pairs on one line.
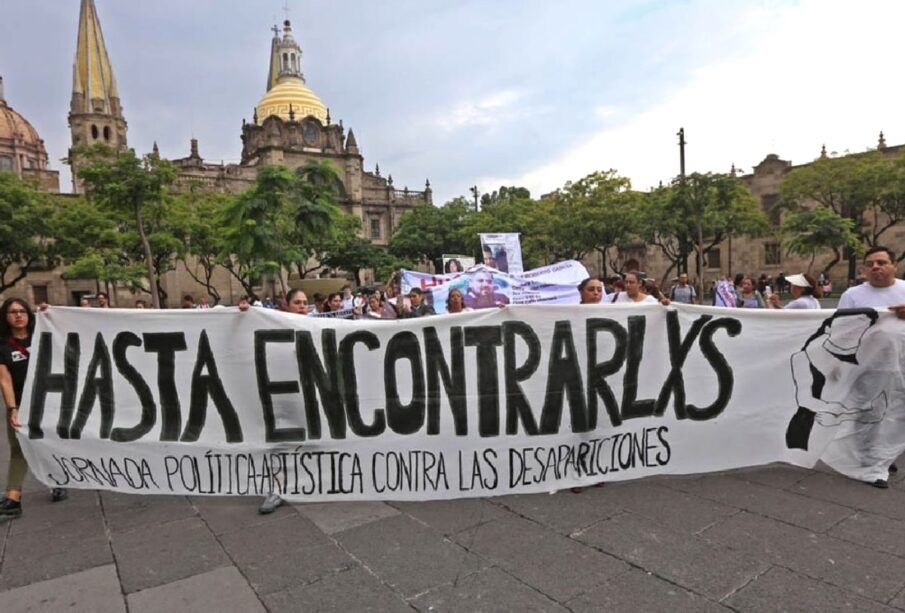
[[881, 289]]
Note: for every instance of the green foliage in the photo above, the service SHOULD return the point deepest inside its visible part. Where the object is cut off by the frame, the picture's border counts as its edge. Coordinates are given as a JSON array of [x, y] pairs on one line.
[[279, 222], [669, 215], [135, 189], [809, 232], [24, 215], [426, 232], [868, 189]]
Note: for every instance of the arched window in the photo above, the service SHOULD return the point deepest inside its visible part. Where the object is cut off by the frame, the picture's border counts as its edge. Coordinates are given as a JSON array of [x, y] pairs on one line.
[[292, 58], [285, 61], [94, 131], [107, 133]]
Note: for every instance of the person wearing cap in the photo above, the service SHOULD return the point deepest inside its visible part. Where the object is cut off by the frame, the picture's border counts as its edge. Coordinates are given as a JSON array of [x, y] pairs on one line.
[[805, 292], [418, 308]]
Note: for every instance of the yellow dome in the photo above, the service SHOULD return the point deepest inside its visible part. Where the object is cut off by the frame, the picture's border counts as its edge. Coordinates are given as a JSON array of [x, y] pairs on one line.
[[291, 91]]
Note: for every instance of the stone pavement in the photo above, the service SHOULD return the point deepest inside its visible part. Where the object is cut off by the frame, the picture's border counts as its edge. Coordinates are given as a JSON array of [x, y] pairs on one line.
[[766, 539]]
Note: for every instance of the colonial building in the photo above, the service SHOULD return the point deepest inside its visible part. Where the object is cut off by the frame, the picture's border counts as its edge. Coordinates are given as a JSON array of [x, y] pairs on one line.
[[289, 126], [22, 150], [752, 256]]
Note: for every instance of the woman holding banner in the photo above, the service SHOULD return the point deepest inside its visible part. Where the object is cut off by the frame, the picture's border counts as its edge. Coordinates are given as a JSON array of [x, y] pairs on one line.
[[17, 324], [591, 291], [634, 292], [805, 292]]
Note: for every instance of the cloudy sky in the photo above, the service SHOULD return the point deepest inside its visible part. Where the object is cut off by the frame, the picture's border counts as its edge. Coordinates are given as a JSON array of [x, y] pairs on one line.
[[491, 92]]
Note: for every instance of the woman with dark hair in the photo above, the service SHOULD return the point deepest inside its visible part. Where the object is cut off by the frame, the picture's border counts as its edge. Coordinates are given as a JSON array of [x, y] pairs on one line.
[[455, 301], [591, 291], [334, 302], [17, 324], [453, 265], [748, 296], [805, 292]]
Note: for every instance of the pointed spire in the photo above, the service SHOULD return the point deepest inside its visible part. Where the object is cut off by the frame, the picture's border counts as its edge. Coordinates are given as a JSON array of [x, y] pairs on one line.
[[254, 118], [881, 144], [823, 151], [273, 71], [351, 145], [155, 150], [193, 149], [92, 74], [377, 169], [328, 116], [427, 185], [390, 180], [732, 170]]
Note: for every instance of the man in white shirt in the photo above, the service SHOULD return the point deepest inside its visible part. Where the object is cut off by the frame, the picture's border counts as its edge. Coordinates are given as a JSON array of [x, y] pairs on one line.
[[883, 290]]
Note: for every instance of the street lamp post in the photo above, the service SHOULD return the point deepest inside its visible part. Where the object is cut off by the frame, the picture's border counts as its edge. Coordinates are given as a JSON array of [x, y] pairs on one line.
[[698, 213], [474, 192]]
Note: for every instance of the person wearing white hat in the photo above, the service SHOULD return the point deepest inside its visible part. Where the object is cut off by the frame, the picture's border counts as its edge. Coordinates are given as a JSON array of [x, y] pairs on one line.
[[805, 293]]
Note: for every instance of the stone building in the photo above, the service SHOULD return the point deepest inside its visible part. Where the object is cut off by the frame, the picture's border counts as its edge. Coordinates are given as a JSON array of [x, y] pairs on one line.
[[22, 150], [289, 126], [752, 256]]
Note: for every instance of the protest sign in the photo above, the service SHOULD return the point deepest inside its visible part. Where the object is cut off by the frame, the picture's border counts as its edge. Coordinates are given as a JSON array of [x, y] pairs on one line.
[[485, 287], [500, 401], [457, 263], [502, 252]]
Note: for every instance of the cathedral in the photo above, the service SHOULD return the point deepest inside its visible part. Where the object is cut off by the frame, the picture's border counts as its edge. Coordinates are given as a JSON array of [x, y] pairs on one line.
[[289, 126]]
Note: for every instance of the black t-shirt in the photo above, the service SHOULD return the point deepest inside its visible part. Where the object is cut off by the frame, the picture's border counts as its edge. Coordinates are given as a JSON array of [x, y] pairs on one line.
[[16, 361]]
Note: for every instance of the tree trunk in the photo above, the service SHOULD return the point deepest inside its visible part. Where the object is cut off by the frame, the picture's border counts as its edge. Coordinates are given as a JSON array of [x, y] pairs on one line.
[[146, 247]]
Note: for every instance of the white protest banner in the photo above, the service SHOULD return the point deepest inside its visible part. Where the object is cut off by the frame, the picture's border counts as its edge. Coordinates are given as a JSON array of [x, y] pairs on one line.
[[503, 252], [554, 284], [499, 401]]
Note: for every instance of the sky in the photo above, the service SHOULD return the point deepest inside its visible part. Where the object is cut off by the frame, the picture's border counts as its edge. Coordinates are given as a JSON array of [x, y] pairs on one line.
[[492, 92]]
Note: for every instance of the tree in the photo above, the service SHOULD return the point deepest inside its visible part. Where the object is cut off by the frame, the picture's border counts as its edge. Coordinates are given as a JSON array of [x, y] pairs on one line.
[[354, 255], [809, 232], [127, 184], [426, 232], [595, 213], [273, 224], [195, 214], [668, 216], [24, 215], [866, 188], [93, 243]]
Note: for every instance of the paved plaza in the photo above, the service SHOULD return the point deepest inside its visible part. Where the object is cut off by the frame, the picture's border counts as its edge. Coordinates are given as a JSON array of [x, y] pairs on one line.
[[766, 539]]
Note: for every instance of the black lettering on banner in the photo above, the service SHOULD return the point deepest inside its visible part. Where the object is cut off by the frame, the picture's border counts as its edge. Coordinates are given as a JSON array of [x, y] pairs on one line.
[[518, 409], [121, 343], [267, 388], [486, 339], [206, 386], [563, 379], [48, 382], [631, 406], [165, 345], [599, 371], [663, 461], [725, 378], [453, 378], [402, 418], [678, 352], [318, 379], [96, 388], [350, 385]]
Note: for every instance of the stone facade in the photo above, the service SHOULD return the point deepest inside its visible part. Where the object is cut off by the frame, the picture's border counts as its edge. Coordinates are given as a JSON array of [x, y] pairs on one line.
[[750, 256]]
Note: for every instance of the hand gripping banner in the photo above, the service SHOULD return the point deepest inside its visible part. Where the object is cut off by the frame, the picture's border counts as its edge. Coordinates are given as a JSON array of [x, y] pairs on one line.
[[499, 401]]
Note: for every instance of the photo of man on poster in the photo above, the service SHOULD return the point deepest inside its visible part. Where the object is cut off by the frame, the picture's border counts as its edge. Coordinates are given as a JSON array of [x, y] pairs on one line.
[[483, 292]]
